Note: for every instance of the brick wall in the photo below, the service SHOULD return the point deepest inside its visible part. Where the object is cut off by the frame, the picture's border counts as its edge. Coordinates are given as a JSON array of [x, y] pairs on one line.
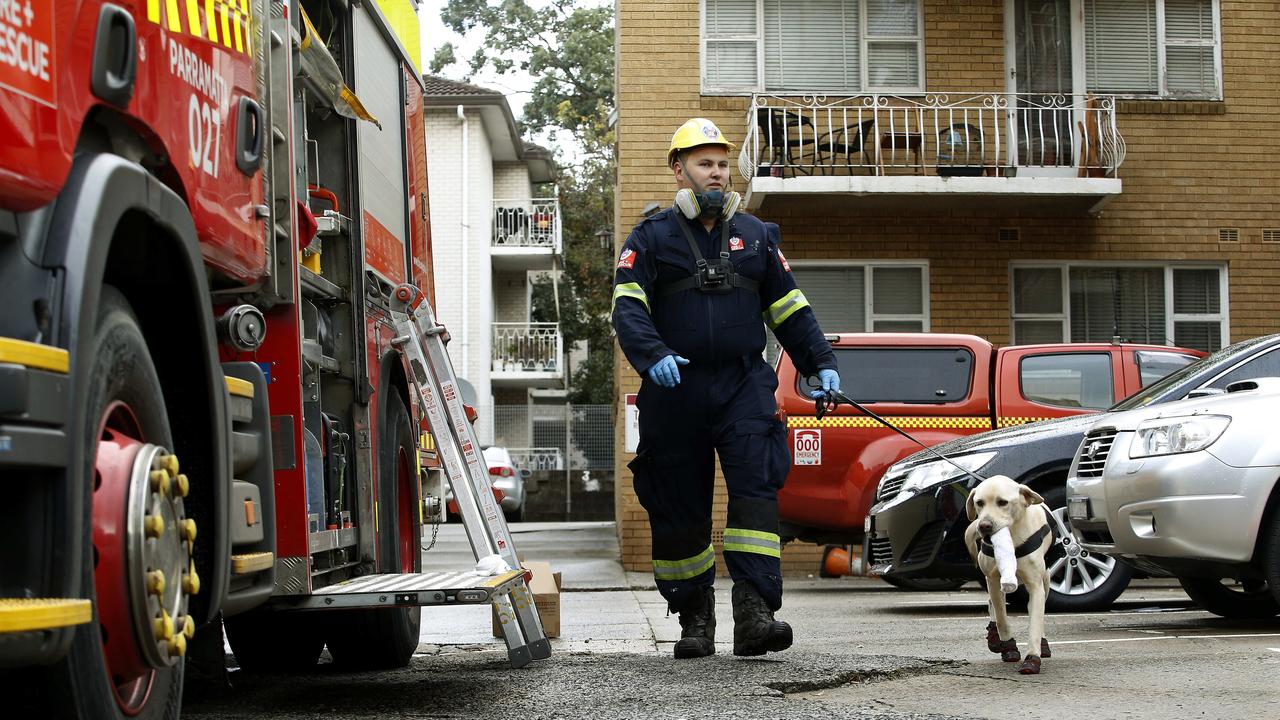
[[511, 181], [1192, 168]]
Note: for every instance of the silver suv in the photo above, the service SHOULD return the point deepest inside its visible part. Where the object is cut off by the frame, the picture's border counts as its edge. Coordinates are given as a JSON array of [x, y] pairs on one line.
[[1188, 489]]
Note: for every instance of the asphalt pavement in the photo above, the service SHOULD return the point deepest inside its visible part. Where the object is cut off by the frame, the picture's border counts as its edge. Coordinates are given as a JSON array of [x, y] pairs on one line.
[[863, 650]]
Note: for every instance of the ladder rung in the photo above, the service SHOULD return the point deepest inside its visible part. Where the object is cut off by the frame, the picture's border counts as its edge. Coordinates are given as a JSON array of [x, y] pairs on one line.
[[25, 615], [249, 563]]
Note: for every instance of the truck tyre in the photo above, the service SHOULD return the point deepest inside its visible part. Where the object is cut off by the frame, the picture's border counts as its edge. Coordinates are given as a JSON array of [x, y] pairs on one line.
[[386, 638], [1248, 600], [107, 674], [266, 640]]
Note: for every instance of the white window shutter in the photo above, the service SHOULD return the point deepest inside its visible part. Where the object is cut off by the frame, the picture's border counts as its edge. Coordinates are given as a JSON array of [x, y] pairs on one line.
[[732, 45], [1189, 61], [811, 45], [1121, 48]]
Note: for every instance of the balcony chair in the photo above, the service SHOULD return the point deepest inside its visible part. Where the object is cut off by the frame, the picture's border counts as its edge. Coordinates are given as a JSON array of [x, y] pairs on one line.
[[960, 151], [845, 143], [784, 135]]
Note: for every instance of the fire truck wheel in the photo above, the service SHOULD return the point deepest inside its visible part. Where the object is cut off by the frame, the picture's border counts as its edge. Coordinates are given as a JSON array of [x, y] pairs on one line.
[[268, 641], [386, 638], [109, 672]]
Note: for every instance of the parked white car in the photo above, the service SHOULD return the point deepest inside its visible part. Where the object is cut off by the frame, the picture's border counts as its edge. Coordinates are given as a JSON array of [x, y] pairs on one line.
[[1188, 489]]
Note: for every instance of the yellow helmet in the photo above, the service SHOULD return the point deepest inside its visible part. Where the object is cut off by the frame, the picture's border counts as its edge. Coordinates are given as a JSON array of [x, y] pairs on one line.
[[695, 132]]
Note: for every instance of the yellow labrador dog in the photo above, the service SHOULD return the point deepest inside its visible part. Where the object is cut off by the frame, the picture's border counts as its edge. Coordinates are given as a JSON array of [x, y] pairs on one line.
[[997, 503]]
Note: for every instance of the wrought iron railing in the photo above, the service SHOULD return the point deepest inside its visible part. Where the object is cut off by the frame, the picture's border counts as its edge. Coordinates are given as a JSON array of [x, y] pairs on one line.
[[547, 458], [527, 222], [527, 347], [950, 134]]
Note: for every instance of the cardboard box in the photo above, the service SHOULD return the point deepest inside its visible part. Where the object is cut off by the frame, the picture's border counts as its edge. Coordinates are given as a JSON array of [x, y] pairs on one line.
[[545, 587]]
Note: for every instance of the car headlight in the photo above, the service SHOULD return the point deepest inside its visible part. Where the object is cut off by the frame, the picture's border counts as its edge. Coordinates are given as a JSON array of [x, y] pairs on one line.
[[1168, 436], [935, 473]]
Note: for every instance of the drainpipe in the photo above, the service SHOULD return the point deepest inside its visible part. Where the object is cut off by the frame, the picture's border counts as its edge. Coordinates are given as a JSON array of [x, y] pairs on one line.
[[466, 238]]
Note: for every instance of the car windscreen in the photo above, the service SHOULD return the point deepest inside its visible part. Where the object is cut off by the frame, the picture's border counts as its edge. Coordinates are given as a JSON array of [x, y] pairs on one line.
[[1152, 392], [903, 375]]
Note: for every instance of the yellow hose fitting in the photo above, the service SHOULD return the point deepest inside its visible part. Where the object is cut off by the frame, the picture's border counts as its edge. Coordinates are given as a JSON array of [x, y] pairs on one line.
[[155, 582], [153, 525], [183, 485], [160, 482]]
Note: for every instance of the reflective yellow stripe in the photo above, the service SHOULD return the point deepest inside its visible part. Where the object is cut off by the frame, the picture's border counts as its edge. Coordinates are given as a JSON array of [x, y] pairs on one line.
[[752, 541], [962, 422], [1011, 420], [631, 290], [27, 614], [686, 568], [785, 307], [239, 388], [34, 355]]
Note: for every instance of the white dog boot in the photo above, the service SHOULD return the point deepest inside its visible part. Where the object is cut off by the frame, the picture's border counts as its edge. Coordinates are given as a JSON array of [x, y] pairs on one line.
[[1006, 560]]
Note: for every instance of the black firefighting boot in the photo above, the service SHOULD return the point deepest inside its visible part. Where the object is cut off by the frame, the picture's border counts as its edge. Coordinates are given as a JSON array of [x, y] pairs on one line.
[[698, 625], [755, 631]]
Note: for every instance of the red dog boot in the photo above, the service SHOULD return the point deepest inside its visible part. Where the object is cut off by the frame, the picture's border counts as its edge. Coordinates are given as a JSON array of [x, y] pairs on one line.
[[1044, 648], [1009, 650], [993, 638], [1030, 665]]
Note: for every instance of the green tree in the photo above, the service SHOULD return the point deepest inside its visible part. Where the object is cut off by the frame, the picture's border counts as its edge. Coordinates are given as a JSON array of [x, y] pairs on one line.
[[568, 46]]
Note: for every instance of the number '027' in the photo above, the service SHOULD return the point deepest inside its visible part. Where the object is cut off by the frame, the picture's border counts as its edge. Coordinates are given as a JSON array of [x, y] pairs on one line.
[[204, 127]]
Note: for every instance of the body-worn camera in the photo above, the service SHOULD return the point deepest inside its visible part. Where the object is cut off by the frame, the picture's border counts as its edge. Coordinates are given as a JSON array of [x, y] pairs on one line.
[[715, 276]]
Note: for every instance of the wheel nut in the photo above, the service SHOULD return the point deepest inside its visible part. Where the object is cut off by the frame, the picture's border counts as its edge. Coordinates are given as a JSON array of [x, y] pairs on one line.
[[188, 626], [183, 485], [170, 463], [191, 581], [153, 525], [178, 646], [160, 482], [188, 530], [163, 626], [155, 582]]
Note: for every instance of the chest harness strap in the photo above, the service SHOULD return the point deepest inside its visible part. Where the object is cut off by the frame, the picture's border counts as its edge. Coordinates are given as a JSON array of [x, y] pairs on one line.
[[1031, 544], [716, 276]]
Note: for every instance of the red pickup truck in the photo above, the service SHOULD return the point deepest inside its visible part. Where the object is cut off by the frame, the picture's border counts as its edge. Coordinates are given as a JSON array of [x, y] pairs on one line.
[[935, 387]]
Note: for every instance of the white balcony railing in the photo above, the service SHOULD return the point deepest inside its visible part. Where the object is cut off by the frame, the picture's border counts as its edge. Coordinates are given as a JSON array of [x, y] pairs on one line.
[[527, 347], [950, 134], [537, 458], [527, 223]]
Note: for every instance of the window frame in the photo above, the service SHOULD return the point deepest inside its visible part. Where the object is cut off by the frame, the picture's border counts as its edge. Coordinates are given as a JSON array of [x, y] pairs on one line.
[[1223, 316], [869, 316], [1162, 75], [759, 87]]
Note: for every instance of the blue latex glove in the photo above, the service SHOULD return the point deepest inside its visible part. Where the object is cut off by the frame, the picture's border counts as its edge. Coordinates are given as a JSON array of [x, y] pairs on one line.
[[666, 372], [830, 381]]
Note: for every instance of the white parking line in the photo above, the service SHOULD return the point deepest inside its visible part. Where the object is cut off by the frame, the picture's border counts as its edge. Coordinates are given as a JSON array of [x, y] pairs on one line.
[[1168, 637], [1274, 649], [1170, 611]]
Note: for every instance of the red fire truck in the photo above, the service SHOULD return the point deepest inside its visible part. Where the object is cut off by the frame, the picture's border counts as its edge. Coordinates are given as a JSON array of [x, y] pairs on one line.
[[204, 208]]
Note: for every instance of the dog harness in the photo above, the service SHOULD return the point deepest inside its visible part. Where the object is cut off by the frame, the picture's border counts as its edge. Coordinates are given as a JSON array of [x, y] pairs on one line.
[[1031, 544]]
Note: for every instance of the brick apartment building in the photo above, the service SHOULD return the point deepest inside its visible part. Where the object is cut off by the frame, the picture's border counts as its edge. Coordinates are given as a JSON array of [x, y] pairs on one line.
[[1024, 171]]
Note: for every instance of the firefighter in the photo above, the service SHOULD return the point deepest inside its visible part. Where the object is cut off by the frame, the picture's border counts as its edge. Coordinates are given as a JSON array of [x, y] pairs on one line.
[[693, 283]]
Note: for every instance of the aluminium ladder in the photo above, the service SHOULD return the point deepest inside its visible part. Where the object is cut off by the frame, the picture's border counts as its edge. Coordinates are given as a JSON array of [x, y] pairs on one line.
[[419, 339]]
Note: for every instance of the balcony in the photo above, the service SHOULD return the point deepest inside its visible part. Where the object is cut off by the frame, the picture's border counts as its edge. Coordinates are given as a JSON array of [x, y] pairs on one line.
[[526, 233], [1024, 152], [527, 355]]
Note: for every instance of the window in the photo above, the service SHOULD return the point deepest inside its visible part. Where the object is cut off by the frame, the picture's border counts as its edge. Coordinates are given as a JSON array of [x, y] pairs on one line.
[[1073, 380], [875, 297], [925, 375], [812, 45], [1182, 305], [1153, 365], [1127, 42]]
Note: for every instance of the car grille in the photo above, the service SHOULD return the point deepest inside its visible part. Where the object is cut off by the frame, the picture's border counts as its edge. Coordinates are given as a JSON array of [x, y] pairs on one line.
[[1093, 453], [881, 551], [924, 544], [890, 487]]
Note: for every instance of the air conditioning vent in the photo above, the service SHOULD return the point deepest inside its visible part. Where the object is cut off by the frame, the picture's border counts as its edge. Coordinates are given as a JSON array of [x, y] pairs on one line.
[[1229, 235], [1009, 234], [1271, 235]]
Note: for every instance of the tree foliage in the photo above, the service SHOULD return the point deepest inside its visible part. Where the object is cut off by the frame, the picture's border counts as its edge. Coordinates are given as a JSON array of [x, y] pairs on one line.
[[565, 47]]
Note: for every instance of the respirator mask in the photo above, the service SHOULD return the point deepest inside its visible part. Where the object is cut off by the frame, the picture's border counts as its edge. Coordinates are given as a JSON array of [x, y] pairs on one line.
[[707, 205]]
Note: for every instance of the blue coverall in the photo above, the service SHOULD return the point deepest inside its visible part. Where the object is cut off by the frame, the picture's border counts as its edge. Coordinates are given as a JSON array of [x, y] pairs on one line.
[[724, 404]]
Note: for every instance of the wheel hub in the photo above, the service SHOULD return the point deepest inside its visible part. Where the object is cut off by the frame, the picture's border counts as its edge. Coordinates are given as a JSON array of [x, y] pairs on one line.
[[143, 575]]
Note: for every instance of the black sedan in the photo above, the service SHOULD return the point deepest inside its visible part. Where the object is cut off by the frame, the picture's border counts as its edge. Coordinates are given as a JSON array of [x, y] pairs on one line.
[[915, 531]]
